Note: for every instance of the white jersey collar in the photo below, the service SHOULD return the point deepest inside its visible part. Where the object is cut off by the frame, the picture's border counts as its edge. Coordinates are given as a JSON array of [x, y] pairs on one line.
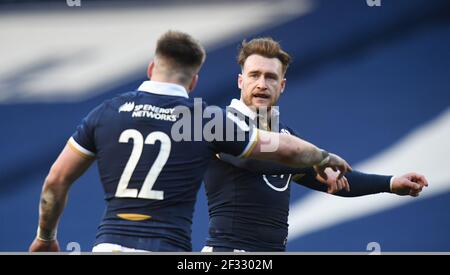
[[163, 88], [245, 110]]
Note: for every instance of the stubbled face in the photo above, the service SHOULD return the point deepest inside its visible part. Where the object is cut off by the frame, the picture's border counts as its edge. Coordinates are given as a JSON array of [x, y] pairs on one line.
[[261, 81]]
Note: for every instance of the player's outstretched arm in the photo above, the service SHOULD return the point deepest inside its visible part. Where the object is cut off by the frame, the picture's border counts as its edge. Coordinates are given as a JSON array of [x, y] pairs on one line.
[[67, 168], [303, 176], [296, 152], [367, 184]]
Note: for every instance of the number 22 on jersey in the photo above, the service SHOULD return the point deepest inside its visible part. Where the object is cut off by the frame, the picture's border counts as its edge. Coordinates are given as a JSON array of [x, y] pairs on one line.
[[138, 144]]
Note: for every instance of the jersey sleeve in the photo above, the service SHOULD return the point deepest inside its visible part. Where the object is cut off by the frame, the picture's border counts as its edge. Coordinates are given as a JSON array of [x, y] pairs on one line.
[[238, 137], [83, 140]]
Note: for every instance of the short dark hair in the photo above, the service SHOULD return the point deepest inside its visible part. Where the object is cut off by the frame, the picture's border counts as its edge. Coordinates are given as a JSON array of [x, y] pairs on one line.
[[179, 49], [264, 46]]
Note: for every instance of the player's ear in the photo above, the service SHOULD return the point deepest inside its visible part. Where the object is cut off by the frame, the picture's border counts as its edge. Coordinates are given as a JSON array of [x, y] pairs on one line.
[[193, 82], [150, 68], [283, 84], [240, 81]]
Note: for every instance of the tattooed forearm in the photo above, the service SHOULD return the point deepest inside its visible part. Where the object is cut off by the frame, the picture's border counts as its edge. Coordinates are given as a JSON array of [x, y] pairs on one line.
[[306, 154], [52, 203]]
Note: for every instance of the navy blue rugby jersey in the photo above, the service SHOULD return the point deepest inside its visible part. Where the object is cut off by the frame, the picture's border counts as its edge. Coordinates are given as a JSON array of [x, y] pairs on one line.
[[150, 177], [249, 207], [248, 211]]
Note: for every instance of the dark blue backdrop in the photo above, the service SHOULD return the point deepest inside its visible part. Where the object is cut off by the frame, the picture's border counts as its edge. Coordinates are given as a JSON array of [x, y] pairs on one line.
[[378, 73]]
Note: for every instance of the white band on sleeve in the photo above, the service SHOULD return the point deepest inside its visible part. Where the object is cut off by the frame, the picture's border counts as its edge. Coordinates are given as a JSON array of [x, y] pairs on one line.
[[80, 148], [391, 183], [251, 144]]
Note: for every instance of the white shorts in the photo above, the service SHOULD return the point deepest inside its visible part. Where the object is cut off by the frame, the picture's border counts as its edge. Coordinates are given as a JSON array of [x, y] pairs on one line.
[[211, 249], [110, 247]]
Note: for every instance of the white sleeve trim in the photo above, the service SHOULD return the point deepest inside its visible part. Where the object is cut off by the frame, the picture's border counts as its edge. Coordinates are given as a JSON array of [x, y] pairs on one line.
[[251, 144], [391, 183], [80, 148]]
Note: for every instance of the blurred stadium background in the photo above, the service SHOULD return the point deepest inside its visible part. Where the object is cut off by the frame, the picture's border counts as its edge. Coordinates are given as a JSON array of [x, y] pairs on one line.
[[371, 83]]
